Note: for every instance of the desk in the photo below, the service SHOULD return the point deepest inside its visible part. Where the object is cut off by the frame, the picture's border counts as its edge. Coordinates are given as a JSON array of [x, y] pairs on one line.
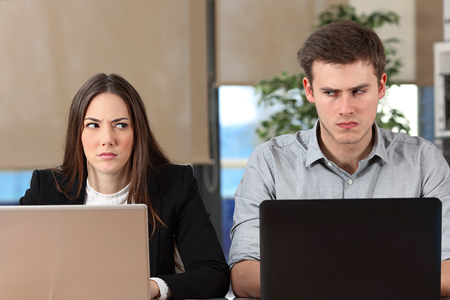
[[259, 298], [448, 298]]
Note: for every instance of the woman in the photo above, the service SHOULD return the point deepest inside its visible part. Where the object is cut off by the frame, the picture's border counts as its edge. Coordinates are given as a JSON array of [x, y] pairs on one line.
[[112, 157]]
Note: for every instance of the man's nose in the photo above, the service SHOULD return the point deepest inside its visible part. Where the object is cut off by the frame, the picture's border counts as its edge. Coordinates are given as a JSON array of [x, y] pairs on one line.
[[346, 105]]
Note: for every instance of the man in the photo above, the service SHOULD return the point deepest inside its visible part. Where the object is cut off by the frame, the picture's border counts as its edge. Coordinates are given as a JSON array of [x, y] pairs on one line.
[[345, 155]]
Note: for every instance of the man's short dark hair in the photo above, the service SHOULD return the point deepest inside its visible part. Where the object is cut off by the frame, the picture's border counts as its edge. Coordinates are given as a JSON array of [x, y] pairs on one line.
[[342, 43]]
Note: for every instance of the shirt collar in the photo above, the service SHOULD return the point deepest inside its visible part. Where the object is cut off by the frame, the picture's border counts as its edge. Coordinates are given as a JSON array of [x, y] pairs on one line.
[[380, 145], [314, 152]]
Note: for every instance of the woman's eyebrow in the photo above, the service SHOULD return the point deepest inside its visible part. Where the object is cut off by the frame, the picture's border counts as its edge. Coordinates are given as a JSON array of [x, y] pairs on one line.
[[113, 121], [92, 119], [119, 119]]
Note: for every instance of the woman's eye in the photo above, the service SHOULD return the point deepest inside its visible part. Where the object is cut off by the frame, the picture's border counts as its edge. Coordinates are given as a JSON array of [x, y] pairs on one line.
[[121, 125], [91, 125]]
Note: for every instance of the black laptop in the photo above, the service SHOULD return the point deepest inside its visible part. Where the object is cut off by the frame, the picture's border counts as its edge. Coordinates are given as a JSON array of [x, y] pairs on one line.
[[351, 249]]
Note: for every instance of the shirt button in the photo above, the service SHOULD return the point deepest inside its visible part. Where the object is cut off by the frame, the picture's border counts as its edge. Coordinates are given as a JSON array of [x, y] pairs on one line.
[[350, 181], [329, 164]]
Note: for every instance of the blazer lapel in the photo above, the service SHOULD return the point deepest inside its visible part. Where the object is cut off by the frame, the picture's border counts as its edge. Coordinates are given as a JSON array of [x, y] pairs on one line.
[[152, 187]]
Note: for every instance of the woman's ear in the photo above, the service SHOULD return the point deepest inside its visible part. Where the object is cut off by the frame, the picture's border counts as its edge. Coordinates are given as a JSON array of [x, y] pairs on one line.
[[308, 90]]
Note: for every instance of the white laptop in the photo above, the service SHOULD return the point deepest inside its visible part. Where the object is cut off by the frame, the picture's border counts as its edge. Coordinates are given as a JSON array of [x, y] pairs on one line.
[[74, 252]]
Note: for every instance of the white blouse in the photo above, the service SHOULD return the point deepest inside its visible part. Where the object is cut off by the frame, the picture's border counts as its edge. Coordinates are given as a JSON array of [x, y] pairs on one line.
[[93, 197]]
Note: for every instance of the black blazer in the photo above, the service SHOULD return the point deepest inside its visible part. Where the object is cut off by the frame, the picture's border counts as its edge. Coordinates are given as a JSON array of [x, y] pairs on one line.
[[174, 194]]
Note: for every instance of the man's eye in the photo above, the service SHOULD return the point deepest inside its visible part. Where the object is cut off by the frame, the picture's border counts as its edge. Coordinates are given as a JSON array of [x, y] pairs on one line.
[[121, 125], [358, 91], [330, 93]]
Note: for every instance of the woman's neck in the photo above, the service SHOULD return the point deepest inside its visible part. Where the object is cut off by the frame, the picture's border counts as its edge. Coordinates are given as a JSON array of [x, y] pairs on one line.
[[108, 183]]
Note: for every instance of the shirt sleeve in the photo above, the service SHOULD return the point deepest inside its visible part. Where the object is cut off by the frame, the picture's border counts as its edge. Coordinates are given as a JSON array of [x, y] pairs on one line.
[[257, 185], [163, 288], [436, 183]]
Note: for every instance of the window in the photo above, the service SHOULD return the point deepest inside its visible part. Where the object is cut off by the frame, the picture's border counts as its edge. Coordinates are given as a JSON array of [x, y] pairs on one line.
[[238, 119], [13, 185]]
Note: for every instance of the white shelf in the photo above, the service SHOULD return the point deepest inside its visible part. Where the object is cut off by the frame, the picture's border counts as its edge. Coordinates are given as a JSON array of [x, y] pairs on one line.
[[441, 68]]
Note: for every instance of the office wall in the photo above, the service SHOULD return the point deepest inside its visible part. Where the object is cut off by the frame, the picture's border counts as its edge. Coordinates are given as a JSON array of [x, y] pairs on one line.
[[257, 39], [406, 32], [260, 38], [420, 27], [429, 30], [48, 49]]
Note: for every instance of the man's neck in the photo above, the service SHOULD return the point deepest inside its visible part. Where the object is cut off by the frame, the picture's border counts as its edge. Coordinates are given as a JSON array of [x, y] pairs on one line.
[[347, 156]]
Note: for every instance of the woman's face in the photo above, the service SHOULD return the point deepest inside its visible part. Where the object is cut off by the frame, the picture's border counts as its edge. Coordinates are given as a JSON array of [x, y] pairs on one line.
[[107, 136]]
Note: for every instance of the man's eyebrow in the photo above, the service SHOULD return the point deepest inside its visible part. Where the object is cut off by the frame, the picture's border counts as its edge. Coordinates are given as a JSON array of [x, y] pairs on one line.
[[358, 87], [361, 86], [329, 89]]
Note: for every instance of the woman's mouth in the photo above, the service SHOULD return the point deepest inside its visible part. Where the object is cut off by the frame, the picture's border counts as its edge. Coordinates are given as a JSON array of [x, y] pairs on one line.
[[107, 155]]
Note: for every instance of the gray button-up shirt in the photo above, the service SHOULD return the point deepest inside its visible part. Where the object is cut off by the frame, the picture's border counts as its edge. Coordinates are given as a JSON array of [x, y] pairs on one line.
[[294, 167]]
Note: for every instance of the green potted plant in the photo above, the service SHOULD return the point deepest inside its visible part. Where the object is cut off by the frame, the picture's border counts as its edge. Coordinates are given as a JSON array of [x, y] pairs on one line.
[[285, 95]]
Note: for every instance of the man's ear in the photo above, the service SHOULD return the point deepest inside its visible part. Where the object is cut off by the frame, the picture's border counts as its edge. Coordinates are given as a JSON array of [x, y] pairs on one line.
[[382, 86], [308, 90]]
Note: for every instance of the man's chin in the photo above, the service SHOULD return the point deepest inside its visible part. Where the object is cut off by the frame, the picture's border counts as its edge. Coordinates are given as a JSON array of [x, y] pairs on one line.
[[348, 139]]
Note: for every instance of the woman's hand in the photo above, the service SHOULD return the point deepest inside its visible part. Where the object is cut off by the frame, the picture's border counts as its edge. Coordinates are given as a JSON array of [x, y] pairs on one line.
[[154, 289]]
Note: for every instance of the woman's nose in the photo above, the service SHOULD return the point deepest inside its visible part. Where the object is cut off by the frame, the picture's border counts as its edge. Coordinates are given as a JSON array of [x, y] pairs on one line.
[[107, 137]]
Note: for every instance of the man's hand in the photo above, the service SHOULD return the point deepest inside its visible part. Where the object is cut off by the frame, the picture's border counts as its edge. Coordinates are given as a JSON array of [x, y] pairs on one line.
[[445, 278], [245, 279]]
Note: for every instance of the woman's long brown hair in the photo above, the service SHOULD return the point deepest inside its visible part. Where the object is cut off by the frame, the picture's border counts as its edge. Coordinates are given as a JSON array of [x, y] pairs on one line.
[[146, 158]]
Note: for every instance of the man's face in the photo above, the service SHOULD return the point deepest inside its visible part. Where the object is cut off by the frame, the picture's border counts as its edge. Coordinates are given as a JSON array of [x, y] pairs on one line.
[[346, 98]]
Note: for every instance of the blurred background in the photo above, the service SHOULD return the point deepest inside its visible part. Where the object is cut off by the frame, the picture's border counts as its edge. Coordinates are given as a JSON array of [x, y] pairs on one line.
[[199, 66]]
